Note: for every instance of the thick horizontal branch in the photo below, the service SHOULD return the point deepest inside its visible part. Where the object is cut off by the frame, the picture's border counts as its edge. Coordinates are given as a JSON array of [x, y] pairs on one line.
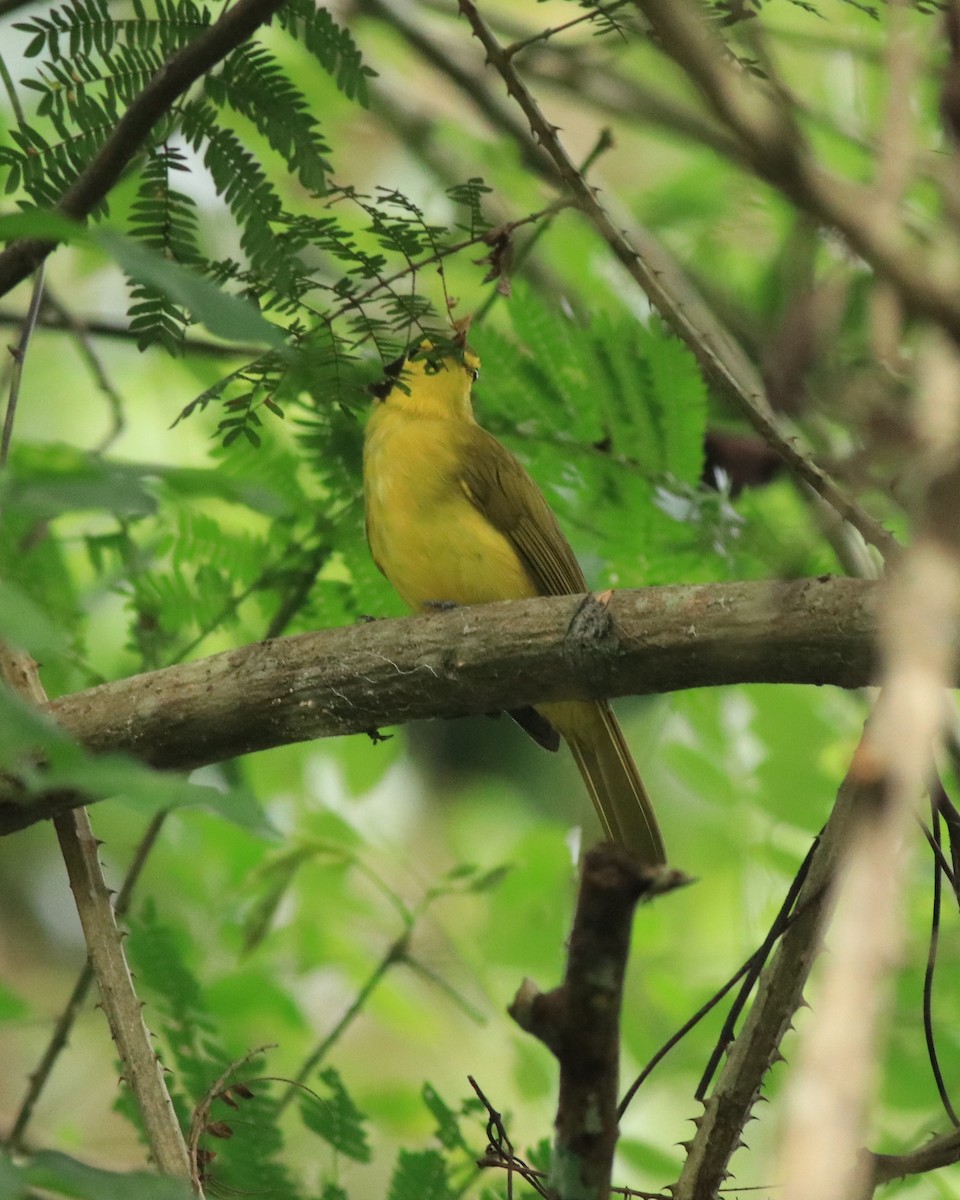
[[482, 659]]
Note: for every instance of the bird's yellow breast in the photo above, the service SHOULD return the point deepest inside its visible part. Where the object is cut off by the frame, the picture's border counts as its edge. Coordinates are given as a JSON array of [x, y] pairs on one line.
[[425, 534]]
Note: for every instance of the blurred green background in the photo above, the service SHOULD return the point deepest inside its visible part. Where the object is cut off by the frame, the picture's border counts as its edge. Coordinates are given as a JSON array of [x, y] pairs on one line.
[[141, 541]]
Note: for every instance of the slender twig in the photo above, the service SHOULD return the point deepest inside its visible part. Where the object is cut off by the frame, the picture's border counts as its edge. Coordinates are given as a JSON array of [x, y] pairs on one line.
[[750, 968], [500, 1149], [941, 1151], [122, 1006], [443, 252], [929, 972], [537, 1180], [436, 980], [499, 115], [40, 1076], [395, 953], [940, 859], [781, 923], [617, 95], [545, 34], [280, 620], [81, 336], [675, 1038], [198, 1121], [10, 6], [19, 356], [601, 146], [10, 88]]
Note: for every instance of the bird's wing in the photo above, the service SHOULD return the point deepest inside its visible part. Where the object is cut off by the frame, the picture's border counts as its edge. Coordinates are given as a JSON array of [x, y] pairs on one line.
[[500, 488]]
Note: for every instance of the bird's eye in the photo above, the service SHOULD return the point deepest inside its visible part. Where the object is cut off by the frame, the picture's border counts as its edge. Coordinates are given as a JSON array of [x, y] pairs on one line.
[[474, 373]]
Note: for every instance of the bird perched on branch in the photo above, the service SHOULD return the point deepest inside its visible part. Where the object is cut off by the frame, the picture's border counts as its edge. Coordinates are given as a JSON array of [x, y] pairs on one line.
[[454, 518]]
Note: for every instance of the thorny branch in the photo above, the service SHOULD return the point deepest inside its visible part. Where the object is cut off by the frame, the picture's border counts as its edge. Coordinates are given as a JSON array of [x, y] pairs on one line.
[[142, 1070]]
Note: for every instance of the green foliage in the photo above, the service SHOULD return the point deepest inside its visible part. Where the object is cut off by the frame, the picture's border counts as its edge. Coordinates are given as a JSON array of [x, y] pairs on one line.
[[333, 1116], [333, 47], [255, 85], [242, 1128], [420, 1175], [166, 292], [165, 220], [203, 1069], [249, 193], [60, 1175], [609, 417], [92, 66], [319, 241], [731, 12]]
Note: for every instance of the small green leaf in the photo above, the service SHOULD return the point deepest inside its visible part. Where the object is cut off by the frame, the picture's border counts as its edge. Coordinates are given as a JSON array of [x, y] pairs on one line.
[[31, 738], [26, 733], [336, 1118], [491, 879], [278, 874], [225, 315], [12, 1008], [462, 871], [51, 478], [448, 1124], [66, 1176], [540, 1155], [420, 1175], [156, 791], [681, 395], [37, 223], [25, 625], [13, 1181]]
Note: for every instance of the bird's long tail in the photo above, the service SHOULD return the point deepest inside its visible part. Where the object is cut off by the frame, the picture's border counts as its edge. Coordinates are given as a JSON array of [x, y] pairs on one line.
[[623, 806]]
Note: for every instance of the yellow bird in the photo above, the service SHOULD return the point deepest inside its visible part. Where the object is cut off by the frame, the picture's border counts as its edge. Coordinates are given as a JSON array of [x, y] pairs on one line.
[[453, 517]]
